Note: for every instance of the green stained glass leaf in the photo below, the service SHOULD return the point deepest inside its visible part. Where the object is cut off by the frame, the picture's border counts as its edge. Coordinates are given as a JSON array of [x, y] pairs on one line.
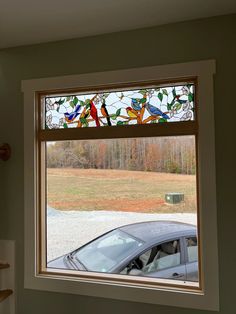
[[190, 97], [65, 126], [84, 121], [162, 120], [160, 96], [75, 101], [72, 104], [87, 102], [113, 116], [143, 91], [164, 91], [177, 106], [68, 98], [61, 101], [119, 123], [82, 103], [122, 123], [118, 112], [143, 100], [169, 106], [174, 92]]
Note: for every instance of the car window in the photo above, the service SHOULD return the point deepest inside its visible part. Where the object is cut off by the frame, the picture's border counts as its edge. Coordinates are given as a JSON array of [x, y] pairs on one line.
[[107, 251], [167, 256], [157, 258], [192, 249]]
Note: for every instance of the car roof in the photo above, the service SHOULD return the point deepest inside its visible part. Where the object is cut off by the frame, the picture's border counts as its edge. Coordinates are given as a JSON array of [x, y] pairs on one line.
[[150, 230]]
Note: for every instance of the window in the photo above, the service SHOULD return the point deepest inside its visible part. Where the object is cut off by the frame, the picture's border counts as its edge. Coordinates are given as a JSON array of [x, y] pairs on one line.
[[77, 113], [122, 107], [125, 111]]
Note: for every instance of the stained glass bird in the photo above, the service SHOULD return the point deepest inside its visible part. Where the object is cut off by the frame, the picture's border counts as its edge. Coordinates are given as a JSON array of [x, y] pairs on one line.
[[135, 104], [105, 113], [182, 101], [131, 112], [177, 99], [154, 111], [69, 117], [94, 113]]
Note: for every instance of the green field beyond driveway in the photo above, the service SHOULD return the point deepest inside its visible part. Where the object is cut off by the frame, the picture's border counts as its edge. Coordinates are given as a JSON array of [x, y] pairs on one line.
[[118, 190]]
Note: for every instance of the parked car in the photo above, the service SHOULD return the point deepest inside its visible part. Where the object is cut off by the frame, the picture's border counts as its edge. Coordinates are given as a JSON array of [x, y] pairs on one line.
[[160, 249]]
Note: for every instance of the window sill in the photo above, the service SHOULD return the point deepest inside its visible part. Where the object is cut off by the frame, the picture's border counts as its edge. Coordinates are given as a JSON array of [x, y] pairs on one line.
[[189, 297]]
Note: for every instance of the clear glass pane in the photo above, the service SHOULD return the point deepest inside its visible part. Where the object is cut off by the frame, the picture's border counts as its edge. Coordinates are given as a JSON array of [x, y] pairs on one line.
[[113, 204], [141, 106]]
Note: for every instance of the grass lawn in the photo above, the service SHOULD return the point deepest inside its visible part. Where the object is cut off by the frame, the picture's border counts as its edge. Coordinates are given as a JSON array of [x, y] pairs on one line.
[[119, 190]]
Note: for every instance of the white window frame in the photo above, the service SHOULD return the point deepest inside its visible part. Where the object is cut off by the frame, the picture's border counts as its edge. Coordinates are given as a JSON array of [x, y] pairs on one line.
[[206, 298]]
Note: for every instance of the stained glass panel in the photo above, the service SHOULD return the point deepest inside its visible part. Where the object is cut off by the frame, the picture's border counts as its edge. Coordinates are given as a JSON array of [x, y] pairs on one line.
[[129, 107]]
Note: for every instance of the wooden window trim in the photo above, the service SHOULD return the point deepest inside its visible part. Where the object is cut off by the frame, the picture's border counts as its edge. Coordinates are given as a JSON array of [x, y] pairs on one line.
[[130, 131], [37, 278]]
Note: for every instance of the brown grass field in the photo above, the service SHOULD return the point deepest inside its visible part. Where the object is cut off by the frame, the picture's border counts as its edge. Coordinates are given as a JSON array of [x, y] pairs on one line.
[[119, 190]]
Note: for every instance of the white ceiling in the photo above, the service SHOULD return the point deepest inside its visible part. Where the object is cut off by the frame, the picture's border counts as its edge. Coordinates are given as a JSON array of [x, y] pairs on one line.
[[24, 22]]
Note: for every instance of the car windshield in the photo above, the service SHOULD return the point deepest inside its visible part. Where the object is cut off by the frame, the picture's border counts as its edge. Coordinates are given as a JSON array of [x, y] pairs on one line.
[[104, 253]]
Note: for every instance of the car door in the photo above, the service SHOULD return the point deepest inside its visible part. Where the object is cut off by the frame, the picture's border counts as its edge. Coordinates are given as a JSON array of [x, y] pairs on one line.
[[167, 262], [191, 258]]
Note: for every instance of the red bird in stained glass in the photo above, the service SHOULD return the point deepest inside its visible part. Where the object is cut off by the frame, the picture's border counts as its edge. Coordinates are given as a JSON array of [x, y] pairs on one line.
[[94, 113]]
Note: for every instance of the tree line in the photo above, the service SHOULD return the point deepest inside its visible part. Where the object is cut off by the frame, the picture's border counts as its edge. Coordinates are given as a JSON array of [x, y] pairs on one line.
[[171, 155]]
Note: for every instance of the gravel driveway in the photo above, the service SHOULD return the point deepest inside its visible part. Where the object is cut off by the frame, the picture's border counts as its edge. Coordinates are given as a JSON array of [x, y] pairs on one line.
[[67, 231]]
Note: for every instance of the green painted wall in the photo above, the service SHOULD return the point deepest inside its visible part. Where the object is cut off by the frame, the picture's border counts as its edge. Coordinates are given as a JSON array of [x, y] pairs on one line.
[[213, 38]]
